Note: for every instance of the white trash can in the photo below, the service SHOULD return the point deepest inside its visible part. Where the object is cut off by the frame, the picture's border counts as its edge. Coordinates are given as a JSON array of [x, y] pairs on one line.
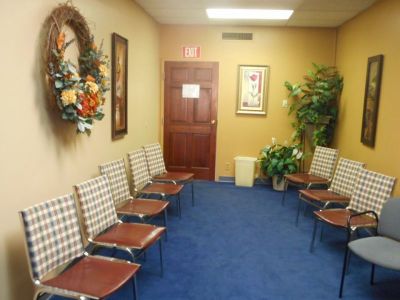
[[244, 170]]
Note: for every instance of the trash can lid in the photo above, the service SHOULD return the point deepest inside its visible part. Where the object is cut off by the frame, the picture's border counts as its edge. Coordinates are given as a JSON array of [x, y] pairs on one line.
[[247, 158]]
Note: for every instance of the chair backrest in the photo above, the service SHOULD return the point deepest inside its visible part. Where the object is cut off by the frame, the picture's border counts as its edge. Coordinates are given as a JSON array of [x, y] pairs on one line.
[[389, 223], [116, 174], [97, 205], [155, 159], [52, 234], [371, 191], [323, 162], [138, 167], [346, 175]]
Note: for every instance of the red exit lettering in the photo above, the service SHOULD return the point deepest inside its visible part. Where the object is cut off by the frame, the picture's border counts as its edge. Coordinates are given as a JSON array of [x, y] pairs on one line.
[[191, 52]]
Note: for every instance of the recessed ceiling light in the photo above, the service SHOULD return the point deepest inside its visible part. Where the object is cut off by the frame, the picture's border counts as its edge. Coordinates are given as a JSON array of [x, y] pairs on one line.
[[248, 14]]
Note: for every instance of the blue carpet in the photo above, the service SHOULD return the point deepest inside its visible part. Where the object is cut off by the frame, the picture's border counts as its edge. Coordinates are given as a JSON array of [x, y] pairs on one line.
[[240, 243]]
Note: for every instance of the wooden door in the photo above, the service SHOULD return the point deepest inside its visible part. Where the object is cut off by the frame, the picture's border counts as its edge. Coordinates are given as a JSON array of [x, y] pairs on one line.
[[190, 124]]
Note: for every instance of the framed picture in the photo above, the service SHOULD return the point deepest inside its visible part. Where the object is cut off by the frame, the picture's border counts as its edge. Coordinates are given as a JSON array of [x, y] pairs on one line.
[[119, 86], [371, 100], [252, 91]]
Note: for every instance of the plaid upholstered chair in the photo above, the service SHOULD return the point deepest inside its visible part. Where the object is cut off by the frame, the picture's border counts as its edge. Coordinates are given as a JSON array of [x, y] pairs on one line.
[[54, 242], [125, 204], [321, 170], [370, 193], [384, 248], [158, 172], [142, 183], [340, 190], [103, 228]]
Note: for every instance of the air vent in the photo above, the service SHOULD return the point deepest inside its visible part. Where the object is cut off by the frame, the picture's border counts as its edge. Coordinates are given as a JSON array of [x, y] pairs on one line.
[[243, 36]]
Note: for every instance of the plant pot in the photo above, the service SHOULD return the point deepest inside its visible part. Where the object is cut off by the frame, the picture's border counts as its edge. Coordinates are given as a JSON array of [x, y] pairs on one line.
[[278, 186]]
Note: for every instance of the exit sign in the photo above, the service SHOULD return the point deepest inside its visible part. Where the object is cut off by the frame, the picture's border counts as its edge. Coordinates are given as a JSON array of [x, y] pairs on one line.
[[191, 51]]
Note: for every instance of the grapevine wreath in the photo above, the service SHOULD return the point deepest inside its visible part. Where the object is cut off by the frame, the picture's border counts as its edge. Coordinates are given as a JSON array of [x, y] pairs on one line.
[[77, 91]]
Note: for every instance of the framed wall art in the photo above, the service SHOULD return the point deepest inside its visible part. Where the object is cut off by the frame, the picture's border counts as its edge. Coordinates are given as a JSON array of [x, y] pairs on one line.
[[119, 86], [252, 90], [371, 100]]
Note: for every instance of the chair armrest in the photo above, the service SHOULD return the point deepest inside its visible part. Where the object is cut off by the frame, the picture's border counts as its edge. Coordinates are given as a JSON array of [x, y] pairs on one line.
[[360, 214]]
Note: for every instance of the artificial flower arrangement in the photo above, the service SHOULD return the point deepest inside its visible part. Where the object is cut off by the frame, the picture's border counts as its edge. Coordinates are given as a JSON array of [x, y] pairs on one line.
[[278, 160], [80, 96]]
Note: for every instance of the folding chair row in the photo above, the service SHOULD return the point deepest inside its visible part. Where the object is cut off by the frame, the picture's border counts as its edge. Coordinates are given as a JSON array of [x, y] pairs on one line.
[[53, 237], [54, 242], [150, 177], [158, 172], [364, 193], [339, 192], [146, 165], [143, 184]]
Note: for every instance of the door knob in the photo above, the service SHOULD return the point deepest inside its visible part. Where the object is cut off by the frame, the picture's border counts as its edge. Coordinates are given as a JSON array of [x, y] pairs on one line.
[[213, 122]]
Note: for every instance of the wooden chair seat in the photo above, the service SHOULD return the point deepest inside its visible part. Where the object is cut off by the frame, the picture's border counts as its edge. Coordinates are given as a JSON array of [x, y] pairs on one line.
[[339, 217], [143, 207], [135, 236], [174, 176], [324, 196], [94, 277], [305, 178], [162, 188]]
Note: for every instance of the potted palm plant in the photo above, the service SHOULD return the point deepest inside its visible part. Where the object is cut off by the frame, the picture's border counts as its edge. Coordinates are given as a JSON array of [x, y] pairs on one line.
[[315, 103], [278, 160]]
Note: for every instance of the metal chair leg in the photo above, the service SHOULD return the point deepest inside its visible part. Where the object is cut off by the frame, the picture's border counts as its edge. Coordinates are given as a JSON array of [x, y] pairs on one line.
[[285, 186], [299, 204], [135, 288], [298, 211], [313, 235], [192, 192], [165, 224], [372, 274], [161, 258], [345, 264], [350, 237]]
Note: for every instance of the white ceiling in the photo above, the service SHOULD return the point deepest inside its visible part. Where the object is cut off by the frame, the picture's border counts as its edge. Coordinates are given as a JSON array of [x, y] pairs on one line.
[[307, 13]]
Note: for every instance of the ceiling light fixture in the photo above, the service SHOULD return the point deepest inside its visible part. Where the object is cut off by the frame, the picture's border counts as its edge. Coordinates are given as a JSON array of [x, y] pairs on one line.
[[248, 14]]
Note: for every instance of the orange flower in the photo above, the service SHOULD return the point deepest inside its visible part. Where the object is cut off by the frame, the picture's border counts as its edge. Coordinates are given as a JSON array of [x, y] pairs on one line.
[[90, 78], [60, 40]]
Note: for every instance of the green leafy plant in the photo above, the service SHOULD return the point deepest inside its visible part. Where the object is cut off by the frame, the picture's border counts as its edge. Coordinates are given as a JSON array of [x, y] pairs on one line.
[[315, 103], [278, 160]]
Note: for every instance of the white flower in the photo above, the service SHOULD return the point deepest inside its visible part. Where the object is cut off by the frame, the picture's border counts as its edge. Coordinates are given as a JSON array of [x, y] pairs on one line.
[[299, 155], [68, 97], [273, 140], [92, 87], [295, 151], [103, 70]]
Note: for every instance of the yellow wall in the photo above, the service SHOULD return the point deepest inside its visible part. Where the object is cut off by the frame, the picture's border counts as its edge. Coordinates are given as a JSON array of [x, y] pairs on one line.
[[288, 51], [374, 32], [40, 156]]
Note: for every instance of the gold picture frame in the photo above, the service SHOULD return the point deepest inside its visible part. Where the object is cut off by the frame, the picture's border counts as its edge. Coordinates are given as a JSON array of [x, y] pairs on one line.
[[371, 100], [119, 86], [252, 89]]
